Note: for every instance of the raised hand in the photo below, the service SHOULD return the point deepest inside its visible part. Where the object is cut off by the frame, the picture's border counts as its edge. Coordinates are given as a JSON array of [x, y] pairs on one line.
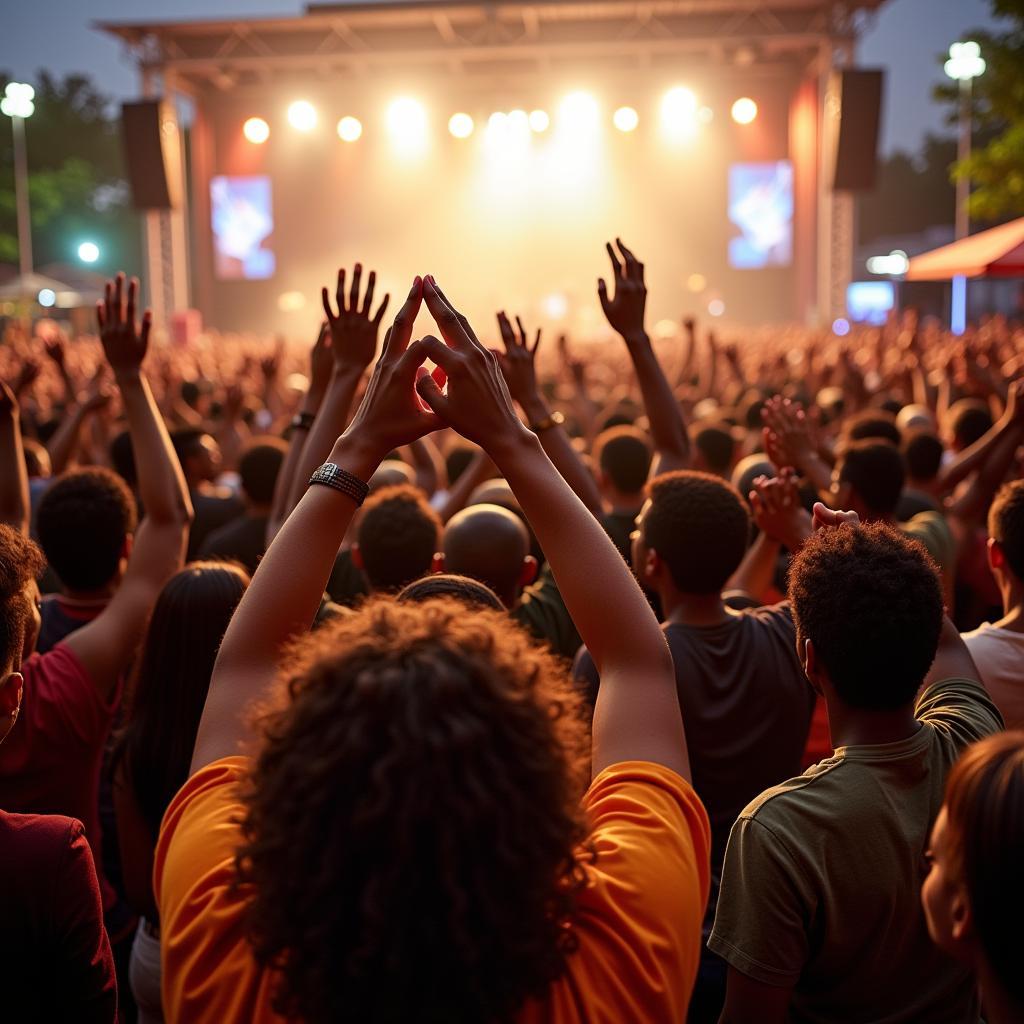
[[787, 434], [27, 376], [390, 414], [53, 346], [353, 330], [625, 308], [826, 518], [777, 509], [124, 341], [518, 361], [321, 361], [477, 403], [576, 367]]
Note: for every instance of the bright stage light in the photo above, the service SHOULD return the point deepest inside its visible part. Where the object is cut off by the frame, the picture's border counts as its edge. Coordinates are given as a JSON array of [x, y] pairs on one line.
[[578, 110], [539, 121], [47, 297], [17, 100], [460, 125], [88, 252], [555, 306], [256, 130], [716, 307], [518, 121], [407, 123], [302, 116], [349, 129], [497, 122], [841, 327], [705, 115], [895, 264], [679, 112], [744, 110], [625, 119]]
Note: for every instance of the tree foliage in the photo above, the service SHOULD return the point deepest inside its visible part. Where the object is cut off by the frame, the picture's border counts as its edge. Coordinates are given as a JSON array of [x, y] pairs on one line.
[[76, 176], [996, 167]]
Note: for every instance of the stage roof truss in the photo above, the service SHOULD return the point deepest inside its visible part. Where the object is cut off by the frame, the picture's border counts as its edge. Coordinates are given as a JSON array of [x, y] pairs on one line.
[[468, 36]]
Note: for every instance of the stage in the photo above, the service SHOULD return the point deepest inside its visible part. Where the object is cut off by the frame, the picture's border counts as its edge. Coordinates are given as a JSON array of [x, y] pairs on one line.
[[728, 203]]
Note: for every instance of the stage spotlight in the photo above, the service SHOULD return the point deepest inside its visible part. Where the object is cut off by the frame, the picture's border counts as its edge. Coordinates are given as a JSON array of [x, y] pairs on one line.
[[460, 125], [47, 297], [705, 115], [841, 327], [539, 121], [518, 121], [716, 307], [555, 306], [88, 252], [744, 110], [349, 129], [578, 110], [256, 130], [407, 123], [625, 119], [679, 112], [497, 125], [302, 116]]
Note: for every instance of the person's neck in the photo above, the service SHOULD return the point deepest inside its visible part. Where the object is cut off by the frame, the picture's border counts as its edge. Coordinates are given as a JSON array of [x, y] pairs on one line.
[[1013, 607], [930, 487], [622, 504], [855, 727], [693, 609], [1000, 1006]]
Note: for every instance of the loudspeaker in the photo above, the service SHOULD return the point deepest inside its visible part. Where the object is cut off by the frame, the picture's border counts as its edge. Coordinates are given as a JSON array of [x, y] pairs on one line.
[[149, 131], [855, 105]]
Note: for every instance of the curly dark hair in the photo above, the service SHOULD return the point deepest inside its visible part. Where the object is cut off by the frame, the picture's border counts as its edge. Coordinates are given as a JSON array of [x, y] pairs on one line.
[[871, 425], [398, 536], [82, 522], [876, 472], [624, 455], [716, 444], [413, 839], [1006, 525], [700, 527], [922, 452], [461, 588], [20, 561], [870, 600]]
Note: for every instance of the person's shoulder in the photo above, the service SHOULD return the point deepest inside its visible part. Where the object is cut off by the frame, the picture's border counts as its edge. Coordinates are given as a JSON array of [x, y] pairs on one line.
[[36, 841], [960, 708], [804, 797]]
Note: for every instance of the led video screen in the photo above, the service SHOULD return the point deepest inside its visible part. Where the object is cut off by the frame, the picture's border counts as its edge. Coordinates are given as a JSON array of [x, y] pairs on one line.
[[761, 215], [241, 210]]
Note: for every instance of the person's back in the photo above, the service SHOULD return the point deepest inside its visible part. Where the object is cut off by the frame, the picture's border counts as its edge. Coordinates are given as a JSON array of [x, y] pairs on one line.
[[998, 648], [818, 916]]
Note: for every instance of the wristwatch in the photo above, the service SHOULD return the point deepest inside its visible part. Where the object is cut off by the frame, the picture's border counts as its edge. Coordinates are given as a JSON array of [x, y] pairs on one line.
[[556, 419], [342, 480]]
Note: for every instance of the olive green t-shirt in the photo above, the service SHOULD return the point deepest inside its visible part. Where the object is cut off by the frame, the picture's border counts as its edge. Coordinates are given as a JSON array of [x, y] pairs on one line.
[[822, 878]]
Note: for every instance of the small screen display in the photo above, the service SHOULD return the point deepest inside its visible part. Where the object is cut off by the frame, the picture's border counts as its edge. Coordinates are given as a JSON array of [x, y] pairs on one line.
[[243, 221], [761, 214]]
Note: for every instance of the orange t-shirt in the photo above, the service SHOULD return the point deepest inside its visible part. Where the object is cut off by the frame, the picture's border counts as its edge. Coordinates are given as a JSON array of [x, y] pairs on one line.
[[638, 921]]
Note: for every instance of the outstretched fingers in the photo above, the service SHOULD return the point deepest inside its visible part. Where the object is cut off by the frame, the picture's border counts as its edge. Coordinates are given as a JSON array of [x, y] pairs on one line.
[[397, 339]]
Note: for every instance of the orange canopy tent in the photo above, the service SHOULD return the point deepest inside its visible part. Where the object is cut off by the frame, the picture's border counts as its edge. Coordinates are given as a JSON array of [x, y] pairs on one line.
[[998, 252]]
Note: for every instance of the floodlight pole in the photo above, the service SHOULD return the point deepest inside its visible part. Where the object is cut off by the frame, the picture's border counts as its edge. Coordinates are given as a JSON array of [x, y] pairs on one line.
[[21, 196]]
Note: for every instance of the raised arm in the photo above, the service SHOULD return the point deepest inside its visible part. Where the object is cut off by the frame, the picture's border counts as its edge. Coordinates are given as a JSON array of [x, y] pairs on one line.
[[625, 313], [14, 499], [518, 364], [67, 437], [106, 645], [637, 715], [353, 343], [321, 367], [285, 592]]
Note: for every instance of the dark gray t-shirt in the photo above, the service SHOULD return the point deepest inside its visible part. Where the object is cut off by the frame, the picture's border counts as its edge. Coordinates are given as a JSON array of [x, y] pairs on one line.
[[746, 707]]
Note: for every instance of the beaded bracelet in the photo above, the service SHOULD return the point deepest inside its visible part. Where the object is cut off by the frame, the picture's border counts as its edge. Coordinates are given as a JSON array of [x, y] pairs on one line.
[[340, 479]]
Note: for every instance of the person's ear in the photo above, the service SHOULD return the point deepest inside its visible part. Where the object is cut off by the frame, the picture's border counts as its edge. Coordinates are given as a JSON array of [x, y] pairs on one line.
[[437, 563], [357, 557], [651, 569], [996, 554], [126, 547], [809, 659], [528, 573], [11, 688], [962, 919]]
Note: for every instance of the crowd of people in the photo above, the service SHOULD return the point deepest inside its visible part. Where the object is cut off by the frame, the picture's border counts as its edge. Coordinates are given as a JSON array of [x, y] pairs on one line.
[[412, 679]]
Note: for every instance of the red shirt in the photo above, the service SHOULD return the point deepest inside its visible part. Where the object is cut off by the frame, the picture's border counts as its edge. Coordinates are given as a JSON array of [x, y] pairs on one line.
[[55, 957], [50, 761]]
